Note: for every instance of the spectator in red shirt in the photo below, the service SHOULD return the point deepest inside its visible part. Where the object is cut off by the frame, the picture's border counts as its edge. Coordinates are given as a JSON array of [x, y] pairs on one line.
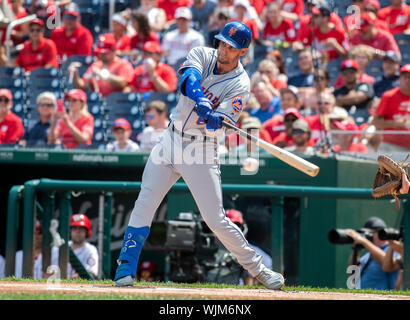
[[393, 113], [397, 16], [362, 55], [277, 28], [379, 40], [153, 75], [109, 73], [119, 31], [306, 24], [19, 32], [143, 33], [346, 142], [301, 137], [72, 38], [293, 9], [38, 52], [285, 139], [329, 41], [75, 127], [11, 126], [373, 6]]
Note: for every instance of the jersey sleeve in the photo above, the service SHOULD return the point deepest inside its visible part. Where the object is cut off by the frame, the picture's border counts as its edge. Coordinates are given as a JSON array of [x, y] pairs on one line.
[[233, 105], [197, 58]]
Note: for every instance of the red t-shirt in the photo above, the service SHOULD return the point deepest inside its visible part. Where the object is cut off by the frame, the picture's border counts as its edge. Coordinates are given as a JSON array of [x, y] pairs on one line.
[[398, 20], [363, 78], [137, 43], [124, 42], [395, 105], [320, 38], [294, 6], [258, 5], [317, 128], [351, 22], [11, 129], [382, 41], [274, 127], [84, 124], [80, 42], [119, 67], [285, 31], [278, 84], [170, 6], [234, 139], [305, 26], [22, 13], [284, 137], [354, 147], [142, 82], [45, 54], [253, 26]]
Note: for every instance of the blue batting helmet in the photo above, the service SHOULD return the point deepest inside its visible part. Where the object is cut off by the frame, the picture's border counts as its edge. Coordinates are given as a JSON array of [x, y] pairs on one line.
[[236, 34]]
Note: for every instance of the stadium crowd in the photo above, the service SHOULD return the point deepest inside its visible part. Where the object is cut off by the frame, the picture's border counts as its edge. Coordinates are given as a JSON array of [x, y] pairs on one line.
[[322, 80]]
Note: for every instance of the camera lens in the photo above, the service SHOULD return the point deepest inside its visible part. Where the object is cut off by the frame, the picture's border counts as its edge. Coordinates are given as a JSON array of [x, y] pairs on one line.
[[339, 236]]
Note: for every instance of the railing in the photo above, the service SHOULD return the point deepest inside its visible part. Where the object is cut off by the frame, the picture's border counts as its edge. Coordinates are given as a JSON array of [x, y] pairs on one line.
[[48, 190]]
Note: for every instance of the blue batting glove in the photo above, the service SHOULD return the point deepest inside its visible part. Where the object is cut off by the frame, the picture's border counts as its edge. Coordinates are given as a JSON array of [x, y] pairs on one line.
[[214, 122], [204, 107]]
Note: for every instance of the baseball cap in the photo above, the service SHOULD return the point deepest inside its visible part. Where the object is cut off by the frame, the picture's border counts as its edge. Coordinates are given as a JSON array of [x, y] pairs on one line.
[[390, 54], [120, 19], [291, 89], [366, 20], [293, 111], [72, 9], [76, 94], [405, 68], [349, 64], [106, 42], [37, 21], [321, 8], [149, 265], [122, 124], [301, 125], [235, 216], [6, 93], [251, 123], [345, 125], [183, 12], [152, 46], [374, 3], [375, 223]]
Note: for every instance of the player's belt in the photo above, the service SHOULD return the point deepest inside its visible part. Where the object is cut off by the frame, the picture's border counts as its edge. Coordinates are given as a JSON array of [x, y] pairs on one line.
[[204, 138]]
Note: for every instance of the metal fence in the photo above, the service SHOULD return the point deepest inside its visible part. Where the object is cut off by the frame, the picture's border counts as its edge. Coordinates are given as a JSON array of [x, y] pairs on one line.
[[44, 193]]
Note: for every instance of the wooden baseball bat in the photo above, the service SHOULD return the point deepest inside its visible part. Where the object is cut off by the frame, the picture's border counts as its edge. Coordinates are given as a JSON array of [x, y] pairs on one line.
[[286, 156]]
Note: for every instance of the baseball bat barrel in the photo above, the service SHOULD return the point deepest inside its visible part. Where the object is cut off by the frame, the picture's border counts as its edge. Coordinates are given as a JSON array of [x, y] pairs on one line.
[[286, 156]]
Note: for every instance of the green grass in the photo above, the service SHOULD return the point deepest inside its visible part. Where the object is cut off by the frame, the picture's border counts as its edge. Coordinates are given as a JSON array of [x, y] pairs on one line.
[[108, 296]]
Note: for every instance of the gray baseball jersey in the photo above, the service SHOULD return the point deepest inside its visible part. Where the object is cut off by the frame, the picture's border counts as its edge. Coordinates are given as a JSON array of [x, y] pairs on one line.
[[170, 159], [228, 92]]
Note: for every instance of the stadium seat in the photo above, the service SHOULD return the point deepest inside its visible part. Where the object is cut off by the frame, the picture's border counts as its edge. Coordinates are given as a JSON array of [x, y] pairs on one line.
[[402, 39], [44, 79], [170, 99], [374, 68]]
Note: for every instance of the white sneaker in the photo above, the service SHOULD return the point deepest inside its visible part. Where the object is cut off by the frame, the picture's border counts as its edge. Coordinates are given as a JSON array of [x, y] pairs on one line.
[[270, 279], [125, 282]]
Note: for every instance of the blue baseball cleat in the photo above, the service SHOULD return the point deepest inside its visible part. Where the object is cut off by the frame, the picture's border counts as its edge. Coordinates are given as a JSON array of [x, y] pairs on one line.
[[134, 239]]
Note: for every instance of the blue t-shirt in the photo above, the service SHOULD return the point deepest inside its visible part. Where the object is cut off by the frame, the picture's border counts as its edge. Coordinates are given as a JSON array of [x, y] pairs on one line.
[[301, 80], [37, 136], [266, 114], [384, 84], [373, 276]]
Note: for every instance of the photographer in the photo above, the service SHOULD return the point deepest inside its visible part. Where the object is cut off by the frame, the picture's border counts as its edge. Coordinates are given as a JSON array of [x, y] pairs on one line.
[[393, 261], [372, 275]]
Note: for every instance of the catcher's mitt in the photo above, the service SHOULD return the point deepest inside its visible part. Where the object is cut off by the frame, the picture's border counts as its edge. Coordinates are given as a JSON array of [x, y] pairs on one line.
[[388, 178]]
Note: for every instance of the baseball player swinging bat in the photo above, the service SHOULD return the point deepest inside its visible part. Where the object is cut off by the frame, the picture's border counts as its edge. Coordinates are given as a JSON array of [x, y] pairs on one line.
[[286, 156]]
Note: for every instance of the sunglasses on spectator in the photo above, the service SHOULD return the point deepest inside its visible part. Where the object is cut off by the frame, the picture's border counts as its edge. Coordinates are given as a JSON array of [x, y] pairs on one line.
[[323, 103], [349, 71], [72, 100], [298, 131], [290, 119], [319, 78], [49, 105], [150, 116], [265, 71], [70, 17], [6, 100], [32, 30]]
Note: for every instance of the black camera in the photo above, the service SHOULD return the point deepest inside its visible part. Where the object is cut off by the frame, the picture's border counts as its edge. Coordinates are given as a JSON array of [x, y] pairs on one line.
[[190, 245], [390, 234], [339, 236]]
